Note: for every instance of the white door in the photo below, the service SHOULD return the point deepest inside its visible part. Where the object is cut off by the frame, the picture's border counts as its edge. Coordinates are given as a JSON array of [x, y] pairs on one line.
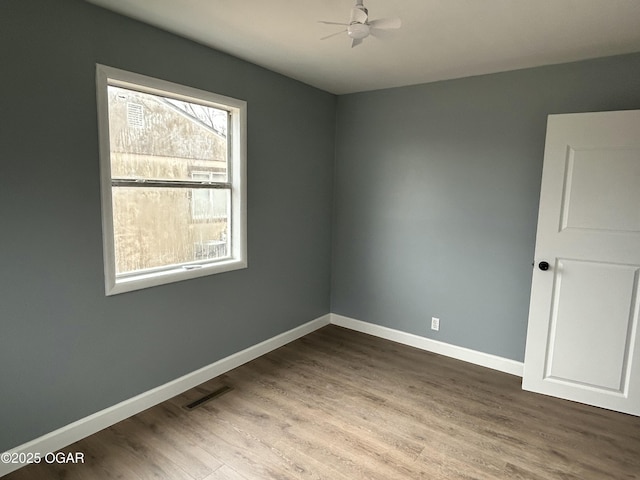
[[583, 341]]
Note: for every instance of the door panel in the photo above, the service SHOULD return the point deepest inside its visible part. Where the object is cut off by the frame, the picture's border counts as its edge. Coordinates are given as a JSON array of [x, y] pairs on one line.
[[582, 339], [601, 191], [593, 311]]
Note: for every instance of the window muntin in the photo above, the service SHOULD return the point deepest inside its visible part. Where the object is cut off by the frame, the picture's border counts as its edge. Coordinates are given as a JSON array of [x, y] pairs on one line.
[[173, 177]]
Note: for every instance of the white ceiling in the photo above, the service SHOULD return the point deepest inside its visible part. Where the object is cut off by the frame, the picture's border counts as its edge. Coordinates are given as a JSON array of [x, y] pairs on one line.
[[439, 39]]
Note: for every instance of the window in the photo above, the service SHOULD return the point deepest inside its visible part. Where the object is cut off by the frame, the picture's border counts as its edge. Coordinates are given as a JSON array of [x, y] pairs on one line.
[[173, 181], [208, 204]]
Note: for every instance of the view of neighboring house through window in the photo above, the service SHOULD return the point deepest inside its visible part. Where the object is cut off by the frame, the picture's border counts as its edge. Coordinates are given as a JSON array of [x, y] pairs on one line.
[[173, 181]]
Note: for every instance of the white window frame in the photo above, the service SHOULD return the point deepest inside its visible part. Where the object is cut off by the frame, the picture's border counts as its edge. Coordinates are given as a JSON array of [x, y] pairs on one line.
[[106, 76]]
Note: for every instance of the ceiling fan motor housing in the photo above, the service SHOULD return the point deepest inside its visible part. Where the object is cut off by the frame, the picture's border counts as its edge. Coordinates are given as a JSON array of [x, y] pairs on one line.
[[359, 14], [358, 27]]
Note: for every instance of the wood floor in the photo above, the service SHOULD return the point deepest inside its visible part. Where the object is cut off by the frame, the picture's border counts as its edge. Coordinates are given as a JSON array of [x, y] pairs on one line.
[[342, 405]]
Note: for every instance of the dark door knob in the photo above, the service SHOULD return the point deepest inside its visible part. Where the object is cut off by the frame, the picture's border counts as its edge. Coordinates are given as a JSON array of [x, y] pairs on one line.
[[543, 266]]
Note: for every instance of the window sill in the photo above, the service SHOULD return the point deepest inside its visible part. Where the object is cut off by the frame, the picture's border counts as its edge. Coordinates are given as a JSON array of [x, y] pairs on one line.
[[146, 280]]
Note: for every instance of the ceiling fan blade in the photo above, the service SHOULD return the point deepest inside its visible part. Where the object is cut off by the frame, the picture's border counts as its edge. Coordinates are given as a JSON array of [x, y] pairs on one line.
[[333, 23], [333, 34], [355, 42], [386, 23], [380, 34], [358, 15]]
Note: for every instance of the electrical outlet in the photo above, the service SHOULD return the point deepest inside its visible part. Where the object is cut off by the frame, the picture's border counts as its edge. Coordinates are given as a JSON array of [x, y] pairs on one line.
[[435, 323]]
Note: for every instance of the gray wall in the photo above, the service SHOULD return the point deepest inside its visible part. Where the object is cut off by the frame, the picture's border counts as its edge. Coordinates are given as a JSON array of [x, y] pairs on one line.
[[436, 197], [66, 350]]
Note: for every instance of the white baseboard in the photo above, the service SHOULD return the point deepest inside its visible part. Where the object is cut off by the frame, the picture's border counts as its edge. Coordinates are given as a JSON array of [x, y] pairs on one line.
[[84, 427], [472, 356]]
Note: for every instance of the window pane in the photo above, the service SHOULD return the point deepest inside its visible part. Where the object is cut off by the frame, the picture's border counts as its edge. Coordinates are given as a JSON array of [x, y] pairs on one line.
[[157, 227], [154, 137]]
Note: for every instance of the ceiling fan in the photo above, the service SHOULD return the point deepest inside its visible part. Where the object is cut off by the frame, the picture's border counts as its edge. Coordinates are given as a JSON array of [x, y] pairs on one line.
[[360, 27]]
